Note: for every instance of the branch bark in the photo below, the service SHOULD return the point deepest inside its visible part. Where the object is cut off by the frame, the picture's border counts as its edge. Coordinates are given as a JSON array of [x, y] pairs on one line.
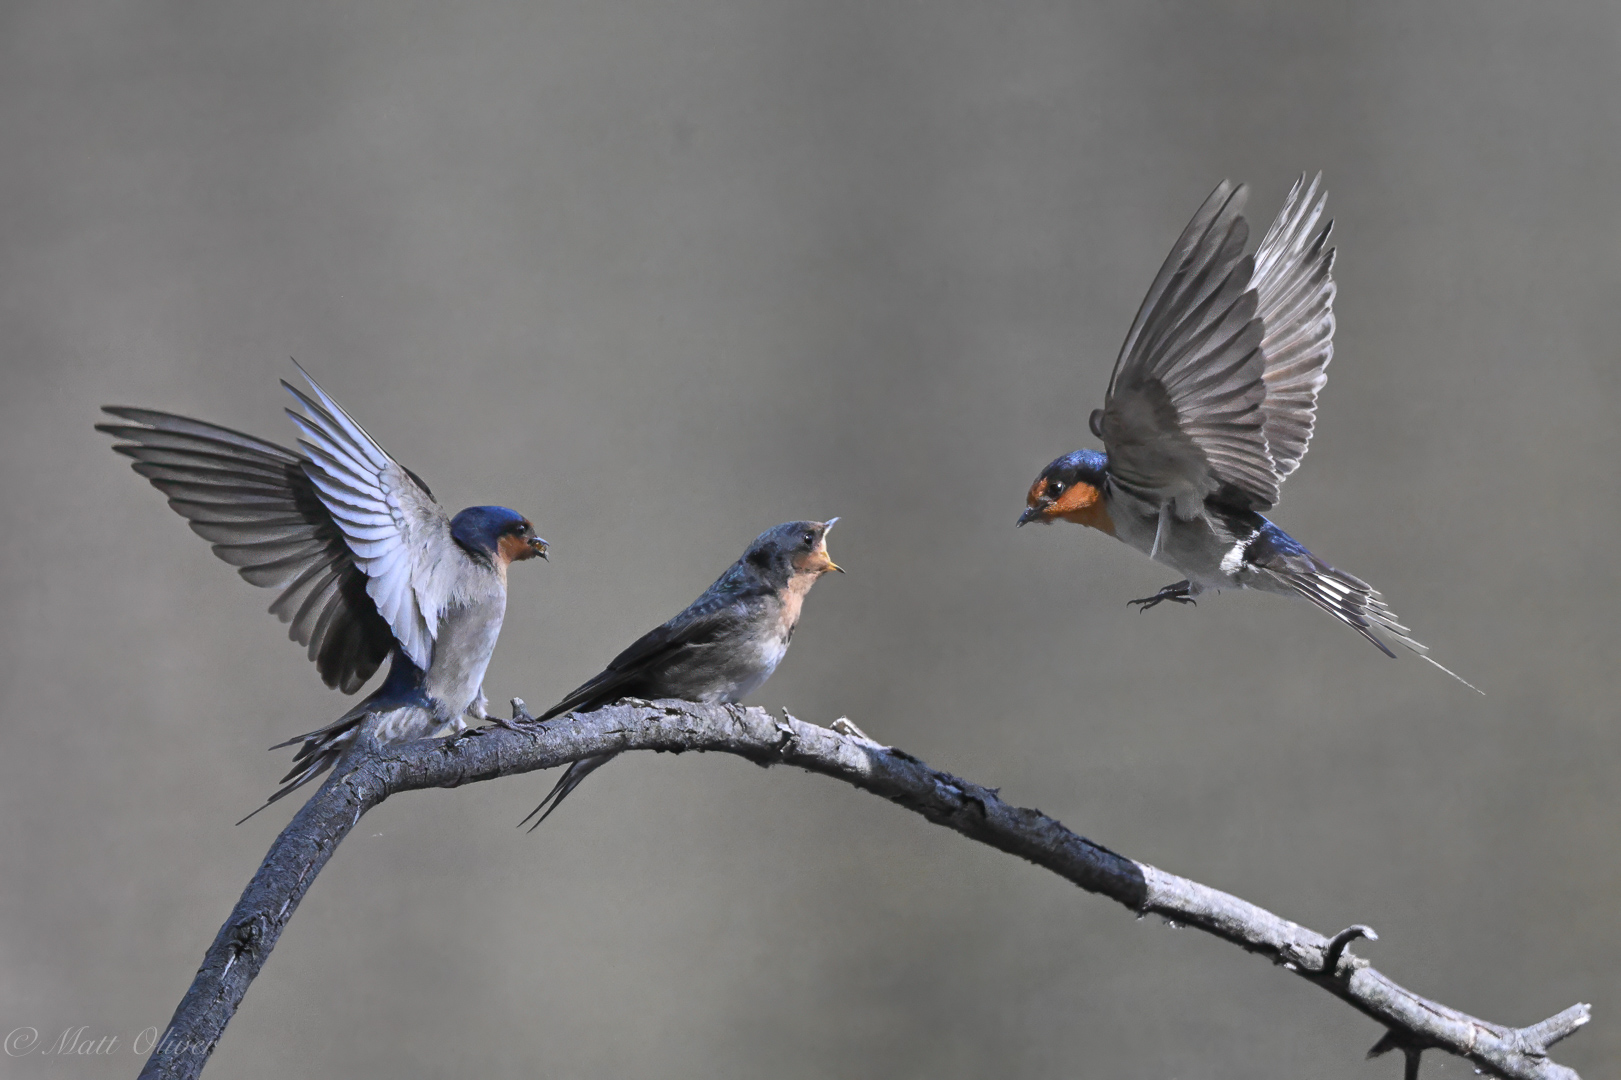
[[1413, 1023]]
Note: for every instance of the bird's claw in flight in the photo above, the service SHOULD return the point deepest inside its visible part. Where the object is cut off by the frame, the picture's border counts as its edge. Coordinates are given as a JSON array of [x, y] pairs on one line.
[[1178, 593]]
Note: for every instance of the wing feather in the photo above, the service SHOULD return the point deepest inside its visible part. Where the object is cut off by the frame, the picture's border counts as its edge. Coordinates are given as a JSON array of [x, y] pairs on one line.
[[704, 620], [707, 618], [308, 617], [340, 425], [1215, 390], [1295, 292], [255, 503], [388, 518], [1183, 416]]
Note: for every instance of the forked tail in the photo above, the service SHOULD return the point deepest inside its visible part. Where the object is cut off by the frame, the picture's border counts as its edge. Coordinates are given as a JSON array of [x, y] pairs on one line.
[[571, 778], [322, 749], [1356, 603]]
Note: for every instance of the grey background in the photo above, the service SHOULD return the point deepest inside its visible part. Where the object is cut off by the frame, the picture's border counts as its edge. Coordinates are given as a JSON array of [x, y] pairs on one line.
[[663, 274]]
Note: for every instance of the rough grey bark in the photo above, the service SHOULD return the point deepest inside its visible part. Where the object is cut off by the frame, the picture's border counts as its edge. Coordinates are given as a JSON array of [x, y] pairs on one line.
[[1413, 1024]]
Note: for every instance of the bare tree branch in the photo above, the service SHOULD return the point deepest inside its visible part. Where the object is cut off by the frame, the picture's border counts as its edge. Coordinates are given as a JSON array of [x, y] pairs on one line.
[[1413, 1024]]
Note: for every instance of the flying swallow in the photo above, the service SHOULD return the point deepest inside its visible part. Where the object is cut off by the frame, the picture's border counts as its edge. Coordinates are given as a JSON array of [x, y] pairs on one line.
[[1211, 407], [366, 564], [724, 646]]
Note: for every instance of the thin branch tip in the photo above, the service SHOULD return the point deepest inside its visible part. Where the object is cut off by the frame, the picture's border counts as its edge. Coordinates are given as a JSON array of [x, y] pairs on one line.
[[1537, 1038]]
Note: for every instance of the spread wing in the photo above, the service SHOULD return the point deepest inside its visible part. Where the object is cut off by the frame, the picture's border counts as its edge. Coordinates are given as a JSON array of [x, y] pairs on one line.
[[254, 502], [1183, 418], [708, 619], [399, 536], [1295, 301]]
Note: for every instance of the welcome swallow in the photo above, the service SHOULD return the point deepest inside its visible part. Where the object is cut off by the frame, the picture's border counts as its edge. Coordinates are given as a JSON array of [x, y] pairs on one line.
[[365, 562], [724, 646], [1211, 407]]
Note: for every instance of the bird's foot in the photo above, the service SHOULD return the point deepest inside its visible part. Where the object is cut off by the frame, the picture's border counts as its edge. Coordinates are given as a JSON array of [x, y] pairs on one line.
[[520, 715], [1180, 593]]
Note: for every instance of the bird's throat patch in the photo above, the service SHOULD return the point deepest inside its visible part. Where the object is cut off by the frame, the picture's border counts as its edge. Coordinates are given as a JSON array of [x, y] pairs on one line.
[[1083, 504], [513, 548]]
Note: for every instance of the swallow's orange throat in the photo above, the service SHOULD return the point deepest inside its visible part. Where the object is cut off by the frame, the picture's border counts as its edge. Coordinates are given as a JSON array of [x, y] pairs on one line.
[[514, 548], [1080, 502]]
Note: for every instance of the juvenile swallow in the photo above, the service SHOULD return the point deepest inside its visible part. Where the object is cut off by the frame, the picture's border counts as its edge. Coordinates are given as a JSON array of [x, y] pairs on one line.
[[1210, 407], [724, 646], [366, 563]]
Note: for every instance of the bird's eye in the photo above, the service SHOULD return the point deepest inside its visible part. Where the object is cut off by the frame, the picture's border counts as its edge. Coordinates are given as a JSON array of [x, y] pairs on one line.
[[810, 539], [1056, 488]]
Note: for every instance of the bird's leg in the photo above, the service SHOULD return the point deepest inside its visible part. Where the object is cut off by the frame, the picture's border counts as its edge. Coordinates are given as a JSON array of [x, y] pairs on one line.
[[1182, 593], [480, 709]]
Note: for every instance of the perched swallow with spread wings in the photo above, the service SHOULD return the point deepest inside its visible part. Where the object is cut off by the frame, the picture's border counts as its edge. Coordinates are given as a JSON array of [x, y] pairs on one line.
[[724, 646], [1211, 407], [366, 564]]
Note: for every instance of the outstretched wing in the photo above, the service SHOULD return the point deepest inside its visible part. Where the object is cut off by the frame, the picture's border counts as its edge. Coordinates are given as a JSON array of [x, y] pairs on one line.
[[399, 536], [254, 502], [1183, 418], [1294, 292]]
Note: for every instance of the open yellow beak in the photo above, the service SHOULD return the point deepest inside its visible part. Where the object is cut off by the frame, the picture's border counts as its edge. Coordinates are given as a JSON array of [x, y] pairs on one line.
[[831, 565]]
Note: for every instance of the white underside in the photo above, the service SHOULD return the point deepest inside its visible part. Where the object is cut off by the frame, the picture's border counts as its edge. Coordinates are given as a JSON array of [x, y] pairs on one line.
[[1198, 549]]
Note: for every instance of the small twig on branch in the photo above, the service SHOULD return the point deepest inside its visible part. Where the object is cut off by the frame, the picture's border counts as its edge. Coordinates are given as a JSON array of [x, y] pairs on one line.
[[1413, 1023], [1337, 944]]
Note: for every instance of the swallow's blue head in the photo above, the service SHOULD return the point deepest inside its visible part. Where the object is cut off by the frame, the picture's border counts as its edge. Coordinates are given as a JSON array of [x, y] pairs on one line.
[[1070, 489], [497, 533]]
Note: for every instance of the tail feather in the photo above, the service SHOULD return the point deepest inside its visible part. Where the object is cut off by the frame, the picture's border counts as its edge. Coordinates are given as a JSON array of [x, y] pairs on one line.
[[1358, 605], [322, 749], [571, 779]]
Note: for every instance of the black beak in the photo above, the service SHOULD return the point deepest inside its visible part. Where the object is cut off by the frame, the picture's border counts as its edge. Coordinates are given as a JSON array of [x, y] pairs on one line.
[[540, 547], [1030, 514]]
